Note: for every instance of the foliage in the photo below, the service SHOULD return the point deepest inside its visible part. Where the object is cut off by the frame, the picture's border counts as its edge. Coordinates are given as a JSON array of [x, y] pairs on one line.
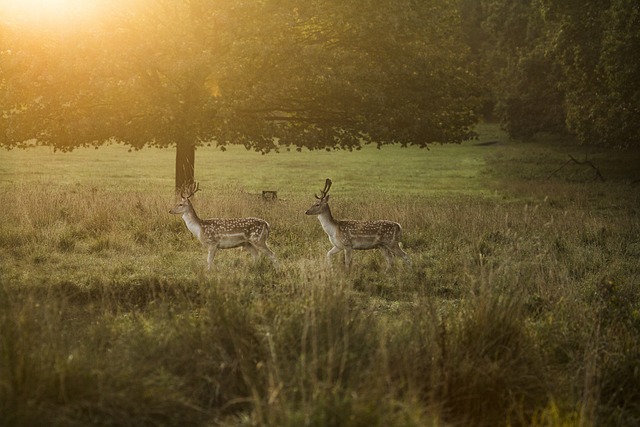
[[553, 67], [529, 99], [597, 44], [521, 80], [263, 74]]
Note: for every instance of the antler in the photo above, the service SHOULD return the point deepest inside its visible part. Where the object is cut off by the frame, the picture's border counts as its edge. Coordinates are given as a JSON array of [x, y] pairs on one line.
[[191, 189], [327, 186]]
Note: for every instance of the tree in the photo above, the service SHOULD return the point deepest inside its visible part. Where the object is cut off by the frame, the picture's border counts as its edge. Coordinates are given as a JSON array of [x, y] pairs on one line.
[[597, 44], [510, 39], [267, 74], [562, 66]]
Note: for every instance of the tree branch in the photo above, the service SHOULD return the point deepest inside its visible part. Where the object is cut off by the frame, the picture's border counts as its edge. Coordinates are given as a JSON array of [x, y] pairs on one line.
[[578, 162]]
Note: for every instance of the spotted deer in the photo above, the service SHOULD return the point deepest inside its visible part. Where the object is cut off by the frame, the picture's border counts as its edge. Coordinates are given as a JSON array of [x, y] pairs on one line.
[[349, 235], [224, 233]]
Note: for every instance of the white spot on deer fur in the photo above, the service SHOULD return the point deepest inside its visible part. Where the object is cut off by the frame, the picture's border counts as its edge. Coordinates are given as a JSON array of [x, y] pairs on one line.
[[225, 233], [348, 234]]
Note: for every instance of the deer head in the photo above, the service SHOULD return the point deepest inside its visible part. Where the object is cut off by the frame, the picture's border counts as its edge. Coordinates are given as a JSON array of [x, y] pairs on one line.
[[322, 201], [184, 204]]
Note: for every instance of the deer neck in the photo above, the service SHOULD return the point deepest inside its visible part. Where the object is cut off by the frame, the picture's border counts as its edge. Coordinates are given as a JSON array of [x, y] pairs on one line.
[[194, 224], [329, 225]]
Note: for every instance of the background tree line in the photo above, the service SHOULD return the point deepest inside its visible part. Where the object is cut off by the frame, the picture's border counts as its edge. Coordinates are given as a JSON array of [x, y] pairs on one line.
[[570, 66], [275, 74]]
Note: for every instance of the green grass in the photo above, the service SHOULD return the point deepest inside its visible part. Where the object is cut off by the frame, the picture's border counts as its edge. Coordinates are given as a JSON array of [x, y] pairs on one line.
[[410, 171], [522, 307]]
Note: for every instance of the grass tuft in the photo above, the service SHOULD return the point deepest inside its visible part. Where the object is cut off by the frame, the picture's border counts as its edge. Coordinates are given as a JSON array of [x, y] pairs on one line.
[[522, 306]]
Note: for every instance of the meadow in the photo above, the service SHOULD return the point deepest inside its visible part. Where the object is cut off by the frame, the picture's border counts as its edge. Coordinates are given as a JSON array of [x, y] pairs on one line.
[[522, 307]]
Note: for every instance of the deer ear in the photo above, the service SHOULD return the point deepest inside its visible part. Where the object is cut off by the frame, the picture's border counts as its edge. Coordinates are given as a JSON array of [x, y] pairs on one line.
[[326, 198]]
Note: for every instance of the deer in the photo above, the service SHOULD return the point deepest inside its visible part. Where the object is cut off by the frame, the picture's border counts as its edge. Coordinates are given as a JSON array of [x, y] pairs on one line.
[[224, 233], [350, 235]]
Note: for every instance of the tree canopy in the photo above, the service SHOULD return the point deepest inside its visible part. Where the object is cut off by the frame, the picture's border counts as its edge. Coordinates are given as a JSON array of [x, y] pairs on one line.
[[326, 74], [597, 44], [267, 74], [570, 66]]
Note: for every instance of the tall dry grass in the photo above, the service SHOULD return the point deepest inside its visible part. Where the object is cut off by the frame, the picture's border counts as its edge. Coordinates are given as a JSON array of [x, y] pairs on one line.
[[519, 311]]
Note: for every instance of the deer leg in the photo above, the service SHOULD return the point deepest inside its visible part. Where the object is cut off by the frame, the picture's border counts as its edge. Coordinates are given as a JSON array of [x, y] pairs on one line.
[[388, 255], [267, 251], [212, 253], [347, 257], [334, 250], [252, 250], [397, 251], [262, 247]]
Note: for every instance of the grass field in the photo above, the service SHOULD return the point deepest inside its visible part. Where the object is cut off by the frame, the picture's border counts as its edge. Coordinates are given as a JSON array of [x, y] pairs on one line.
[[522, 307]]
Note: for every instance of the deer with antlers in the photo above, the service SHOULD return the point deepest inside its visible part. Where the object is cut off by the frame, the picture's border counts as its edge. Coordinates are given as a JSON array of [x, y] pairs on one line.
[[224, 233], [349, 235]]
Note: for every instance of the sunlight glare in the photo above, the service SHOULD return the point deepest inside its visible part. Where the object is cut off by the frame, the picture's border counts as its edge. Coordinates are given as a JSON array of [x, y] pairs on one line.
[[48, 12]]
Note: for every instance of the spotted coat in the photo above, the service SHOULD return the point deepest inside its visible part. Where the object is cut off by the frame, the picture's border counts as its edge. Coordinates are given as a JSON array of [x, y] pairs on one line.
[[349, 235], [226, 233]]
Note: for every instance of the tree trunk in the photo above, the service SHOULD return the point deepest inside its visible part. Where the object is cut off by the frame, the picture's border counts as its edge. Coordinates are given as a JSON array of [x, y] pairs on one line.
[[185, 165]]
